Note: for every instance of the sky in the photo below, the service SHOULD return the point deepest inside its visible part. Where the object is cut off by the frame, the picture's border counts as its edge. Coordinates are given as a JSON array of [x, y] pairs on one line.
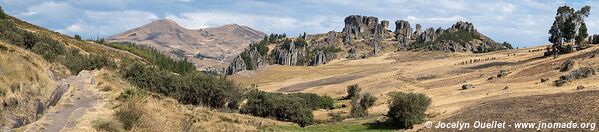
[[520, 22]]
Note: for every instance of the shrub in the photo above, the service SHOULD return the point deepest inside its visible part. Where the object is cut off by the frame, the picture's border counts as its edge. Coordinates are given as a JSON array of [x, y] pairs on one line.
[[77, 37], [131, 93], [352, 91], [407, 109], [360, 105], [194, 88], [313, 101], [48, 50], [77, 62], [279, 106], [107, 125], [366, 102], [129, 114], [336, 117]]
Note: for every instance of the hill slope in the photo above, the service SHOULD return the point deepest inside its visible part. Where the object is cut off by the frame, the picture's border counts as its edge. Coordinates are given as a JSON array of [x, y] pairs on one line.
[[215, 44], [39, 68]]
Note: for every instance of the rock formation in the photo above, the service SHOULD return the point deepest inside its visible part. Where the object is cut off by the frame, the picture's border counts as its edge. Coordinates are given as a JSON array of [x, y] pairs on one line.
[[461, 37], [594, 39], [364, 36], [579, 73], [247, 60]]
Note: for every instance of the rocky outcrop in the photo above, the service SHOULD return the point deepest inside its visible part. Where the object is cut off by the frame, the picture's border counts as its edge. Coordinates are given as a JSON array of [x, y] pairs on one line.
[[579, 73], [594, 39], [352, 53], [322, 58], [566, 66], [57, 94], [290, 56], [460, 37], [247, 60], [364, 27], [403, 32], [238, 64]]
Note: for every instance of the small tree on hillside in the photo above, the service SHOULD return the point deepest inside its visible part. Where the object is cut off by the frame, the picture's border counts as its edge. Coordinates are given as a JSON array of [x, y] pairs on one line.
[[407, 109], [352, 91], [77, 37]]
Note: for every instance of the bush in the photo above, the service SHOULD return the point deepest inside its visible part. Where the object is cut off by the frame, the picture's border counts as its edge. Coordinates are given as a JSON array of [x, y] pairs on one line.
[[129, 114], [314, 102], [48, 50], [194, 88], [352, 91], [77, 62], [280, 106], [407, 109], [77, 37], [336, 117], [107, 125], [360, 105]]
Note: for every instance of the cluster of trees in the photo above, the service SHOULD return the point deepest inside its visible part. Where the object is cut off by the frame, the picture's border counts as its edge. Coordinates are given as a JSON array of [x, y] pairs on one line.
[[48, 48], [156, 57], [194, 87], [569, 26], [273, 38], [295, 107]]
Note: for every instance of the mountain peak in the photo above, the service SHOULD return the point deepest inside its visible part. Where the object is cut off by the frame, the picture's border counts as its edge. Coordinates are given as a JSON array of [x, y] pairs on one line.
[[163, 22]]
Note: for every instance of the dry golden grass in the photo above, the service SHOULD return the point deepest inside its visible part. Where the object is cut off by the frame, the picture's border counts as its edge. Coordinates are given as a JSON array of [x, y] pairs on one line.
[[25, 78]]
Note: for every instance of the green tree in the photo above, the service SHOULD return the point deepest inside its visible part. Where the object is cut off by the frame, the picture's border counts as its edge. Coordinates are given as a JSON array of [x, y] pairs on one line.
[[582, 34], [2, 14], [77, 37], [352, 91], [407, 109]]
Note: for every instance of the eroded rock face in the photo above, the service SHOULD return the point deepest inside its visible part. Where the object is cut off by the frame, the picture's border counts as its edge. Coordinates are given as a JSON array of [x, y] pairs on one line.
[[322, 58], [403, 32], [238, 64], [461, 37], [247, 60], [363, 27]]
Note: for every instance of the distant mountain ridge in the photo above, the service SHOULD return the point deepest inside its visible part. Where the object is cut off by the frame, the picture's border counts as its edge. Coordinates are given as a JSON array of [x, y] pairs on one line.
[[206, 47]]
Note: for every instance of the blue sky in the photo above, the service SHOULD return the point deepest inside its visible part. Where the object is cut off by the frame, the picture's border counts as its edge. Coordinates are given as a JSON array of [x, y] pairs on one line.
[[521, 22]]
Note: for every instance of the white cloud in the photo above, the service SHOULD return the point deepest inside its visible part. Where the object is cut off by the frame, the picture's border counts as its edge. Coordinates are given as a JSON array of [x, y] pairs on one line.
[[277, 24]]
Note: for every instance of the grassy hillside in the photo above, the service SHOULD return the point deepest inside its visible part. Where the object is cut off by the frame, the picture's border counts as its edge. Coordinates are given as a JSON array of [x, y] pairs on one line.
[[34, 60]]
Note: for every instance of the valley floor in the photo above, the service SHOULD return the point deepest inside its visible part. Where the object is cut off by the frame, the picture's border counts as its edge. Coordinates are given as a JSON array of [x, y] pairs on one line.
[[440, 76]]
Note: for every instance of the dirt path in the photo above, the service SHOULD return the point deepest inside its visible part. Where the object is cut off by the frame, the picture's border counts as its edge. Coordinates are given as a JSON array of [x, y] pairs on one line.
[[82, 100]]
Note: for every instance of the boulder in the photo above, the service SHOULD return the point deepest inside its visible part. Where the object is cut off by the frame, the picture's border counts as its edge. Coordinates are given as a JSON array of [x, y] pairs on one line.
[[57, 94], [503, 73], [580, 87], [544, 79], [352, 53], [467, 86], [566, 66], [579, 73]]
